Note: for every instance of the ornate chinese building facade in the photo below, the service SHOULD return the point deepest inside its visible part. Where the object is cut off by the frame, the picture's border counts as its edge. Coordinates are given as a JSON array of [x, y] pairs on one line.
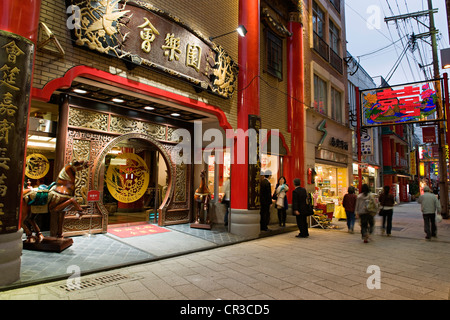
[[123, 83]]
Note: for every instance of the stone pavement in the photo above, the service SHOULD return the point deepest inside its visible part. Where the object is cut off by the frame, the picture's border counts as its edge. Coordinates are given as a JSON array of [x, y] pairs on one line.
[[329, 265]]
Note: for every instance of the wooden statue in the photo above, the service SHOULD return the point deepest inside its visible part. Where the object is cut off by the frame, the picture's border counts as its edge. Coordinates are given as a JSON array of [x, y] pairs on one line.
[[56, 199], [202, 197]]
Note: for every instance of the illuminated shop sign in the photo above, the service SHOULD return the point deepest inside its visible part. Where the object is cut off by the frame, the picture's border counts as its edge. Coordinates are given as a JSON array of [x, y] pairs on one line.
[[399, 104], [142, 35]]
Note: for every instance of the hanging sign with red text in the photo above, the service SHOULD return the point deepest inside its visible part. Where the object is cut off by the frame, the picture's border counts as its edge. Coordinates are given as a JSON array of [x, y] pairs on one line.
[[399, 104]]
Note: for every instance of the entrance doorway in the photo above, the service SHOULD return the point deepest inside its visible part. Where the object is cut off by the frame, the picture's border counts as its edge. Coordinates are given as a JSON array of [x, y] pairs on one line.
[[135, 182]]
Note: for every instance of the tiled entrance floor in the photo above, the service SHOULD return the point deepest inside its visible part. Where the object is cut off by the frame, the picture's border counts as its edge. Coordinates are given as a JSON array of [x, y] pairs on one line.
[[101, 252]]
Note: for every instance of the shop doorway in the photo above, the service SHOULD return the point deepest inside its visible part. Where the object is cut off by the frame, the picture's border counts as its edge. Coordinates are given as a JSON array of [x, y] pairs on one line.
[[135, 182]]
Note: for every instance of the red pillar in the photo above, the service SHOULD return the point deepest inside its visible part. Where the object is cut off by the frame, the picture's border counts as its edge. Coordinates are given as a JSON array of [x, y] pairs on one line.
[[20, 17], [387, 157], [296, 114], [248, 99], [18, 36]]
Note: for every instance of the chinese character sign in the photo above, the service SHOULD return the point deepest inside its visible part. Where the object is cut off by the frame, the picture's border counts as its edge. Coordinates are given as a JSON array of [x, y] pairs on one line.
[[141, 34], [16, 54], [411, 103]]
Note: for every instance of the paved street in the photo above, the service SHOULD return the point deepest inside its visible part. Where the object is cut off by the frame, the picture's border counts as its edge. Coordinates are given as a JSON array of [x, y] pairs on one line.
[[330, 264]]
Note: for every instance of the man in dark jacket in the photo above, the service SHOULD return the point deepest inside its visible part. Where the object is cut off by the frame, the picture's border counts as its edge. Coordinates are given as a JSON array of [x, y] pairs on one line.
[[265, 199], [299, 208]]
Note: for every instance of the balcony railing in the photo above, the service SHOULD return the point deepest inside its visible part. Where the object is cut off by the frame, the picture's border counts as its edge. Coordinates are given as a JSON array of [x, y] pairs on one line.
[[336, 61], [321, 47]]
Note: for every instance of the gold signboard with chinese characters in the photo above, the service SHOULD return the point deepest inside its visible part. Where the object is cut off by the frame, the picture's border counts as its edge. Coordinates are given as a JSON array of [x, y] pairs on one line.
[[16, 54], [140, 34], [127, 177], [37, 166]]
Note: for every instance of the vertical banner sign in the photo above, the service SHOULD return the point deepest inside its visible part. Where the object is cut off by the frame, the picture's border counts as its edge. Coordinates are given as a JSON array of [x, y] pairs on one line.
[[16, 58], [429, 134], [412, 163], [254, 169]]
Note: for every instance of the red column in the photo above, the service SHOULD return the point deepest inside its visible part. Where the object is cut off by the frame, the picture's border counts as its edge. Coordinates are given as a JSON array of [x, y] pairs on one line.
[[248, 99], [296, 114], [387, 158], [20, 17], [18, 35]]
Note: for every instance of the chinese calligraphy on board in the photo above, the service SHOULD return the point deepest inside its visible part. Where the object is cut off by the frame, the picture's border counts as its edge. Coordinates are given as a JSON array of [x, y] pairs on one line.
[[16, 55]]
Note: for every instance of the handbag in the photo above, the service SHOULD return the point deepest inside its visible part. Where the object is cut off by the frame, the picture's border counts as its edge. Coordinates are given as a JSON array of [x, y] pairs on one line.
[[309, 207], [280, 202]]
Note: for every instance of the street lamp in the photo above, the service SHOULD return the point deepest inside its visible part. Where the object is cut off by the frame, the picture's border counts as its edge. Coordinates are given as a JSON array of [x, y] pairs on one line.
[[240, 30], [445, 58]]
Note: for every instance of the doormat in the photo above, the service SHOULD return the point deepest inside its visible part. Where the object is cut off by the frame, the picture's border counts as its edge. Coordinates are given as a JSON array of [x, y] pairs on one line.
[[136, 231]]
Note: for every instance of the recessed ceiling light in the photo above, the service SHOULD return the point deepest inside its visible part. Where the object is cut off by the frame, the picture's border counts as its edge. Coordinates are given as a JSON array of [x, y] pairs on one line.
[[80, 91], [175, 114], [117, 100], [149, 108]]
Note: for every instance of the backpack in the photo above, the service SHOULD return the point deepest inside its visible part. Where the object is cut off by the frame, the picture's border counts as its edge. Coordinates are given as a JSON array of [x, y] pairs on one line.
[[371, 205]]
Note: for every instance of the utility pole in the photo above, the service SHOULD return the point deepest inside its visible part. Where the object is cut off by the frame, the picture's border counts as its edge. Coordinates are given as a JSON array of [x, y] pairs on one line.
[[443, 183]]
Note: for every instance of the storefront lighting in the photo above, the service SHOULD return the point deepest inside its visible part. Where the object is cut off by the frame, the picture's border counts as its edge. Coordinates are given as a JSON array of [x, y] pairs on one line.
[[445, 58], [149, 108], [117, 100], [80, 91], [241, 30], [175, 114]]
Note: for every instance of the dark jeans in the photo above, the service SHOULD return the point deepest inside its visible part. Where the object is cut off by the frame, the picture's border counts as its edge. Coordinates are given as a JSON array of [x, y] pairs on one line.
[[282, 216], [350, 220], [265, 216], [430, 224], [387, 220], [302, 224], [227, 207], [367, 224]]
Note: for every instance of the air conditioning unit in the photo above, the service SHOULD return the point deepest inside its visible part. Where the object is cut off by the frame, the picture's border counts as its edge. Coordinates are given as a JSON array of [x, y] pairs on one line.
[[42, 125]]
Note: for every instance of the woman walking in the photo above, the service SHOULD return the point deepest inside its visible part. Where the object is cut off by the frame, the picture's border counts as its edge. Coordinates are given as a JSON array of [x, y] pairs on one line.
[[349, 203], [387, 210], [366, 218], [281, 200]]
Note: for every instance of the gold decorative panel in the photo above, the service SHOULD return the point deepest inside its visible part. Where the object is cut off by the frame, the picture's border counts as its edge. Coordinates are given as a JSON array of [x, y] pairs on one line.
[[127, 125], [88, 119]]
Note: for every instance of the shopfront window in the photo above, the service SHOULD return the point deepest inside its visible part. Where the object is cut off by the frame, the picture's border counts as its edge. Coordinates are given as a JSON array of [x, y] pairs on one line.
[[320, 95], [331, 183]]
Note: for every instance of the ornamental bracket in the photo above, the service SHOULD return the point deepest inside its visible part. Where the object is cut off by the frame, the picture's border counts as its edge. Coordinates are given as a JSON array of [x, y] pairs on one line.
[[48, 42]]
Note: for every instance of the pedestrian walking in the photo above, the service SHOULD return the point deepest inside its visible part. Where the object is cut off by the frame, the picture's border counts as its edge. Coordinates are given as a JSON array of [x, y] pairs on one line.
[[265, 199], [365, 215], [299, 196], [430, 205], [349, 203], [281, 200], [226, 200], [387, 203]]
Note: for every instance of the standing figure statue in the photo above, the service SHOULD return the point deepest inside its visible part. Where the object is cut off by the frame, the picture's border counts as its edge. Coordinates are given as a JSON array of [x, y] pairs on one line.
[[202, 197], [56, 199]]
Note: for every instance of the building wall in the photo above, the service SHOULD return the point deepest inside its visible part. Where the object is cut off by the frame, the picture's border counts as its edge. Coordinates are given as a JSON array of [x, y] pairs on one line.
[[316, 65], [201, 15]]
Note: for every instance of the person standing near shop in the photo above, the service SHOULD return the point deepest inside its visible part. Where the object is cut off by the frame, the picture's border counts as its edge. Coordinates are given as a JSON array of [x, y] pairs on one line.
[[430, 206], [281, 200], [226, 200], [366, 218], [299, 196], [387, 202], [349, 203], [265, 198]]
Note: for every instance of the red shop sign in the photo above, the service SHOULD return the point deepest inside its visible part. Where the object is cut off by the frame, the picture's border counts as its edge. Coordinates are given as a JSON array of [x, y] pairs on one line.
[[93, 195]]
